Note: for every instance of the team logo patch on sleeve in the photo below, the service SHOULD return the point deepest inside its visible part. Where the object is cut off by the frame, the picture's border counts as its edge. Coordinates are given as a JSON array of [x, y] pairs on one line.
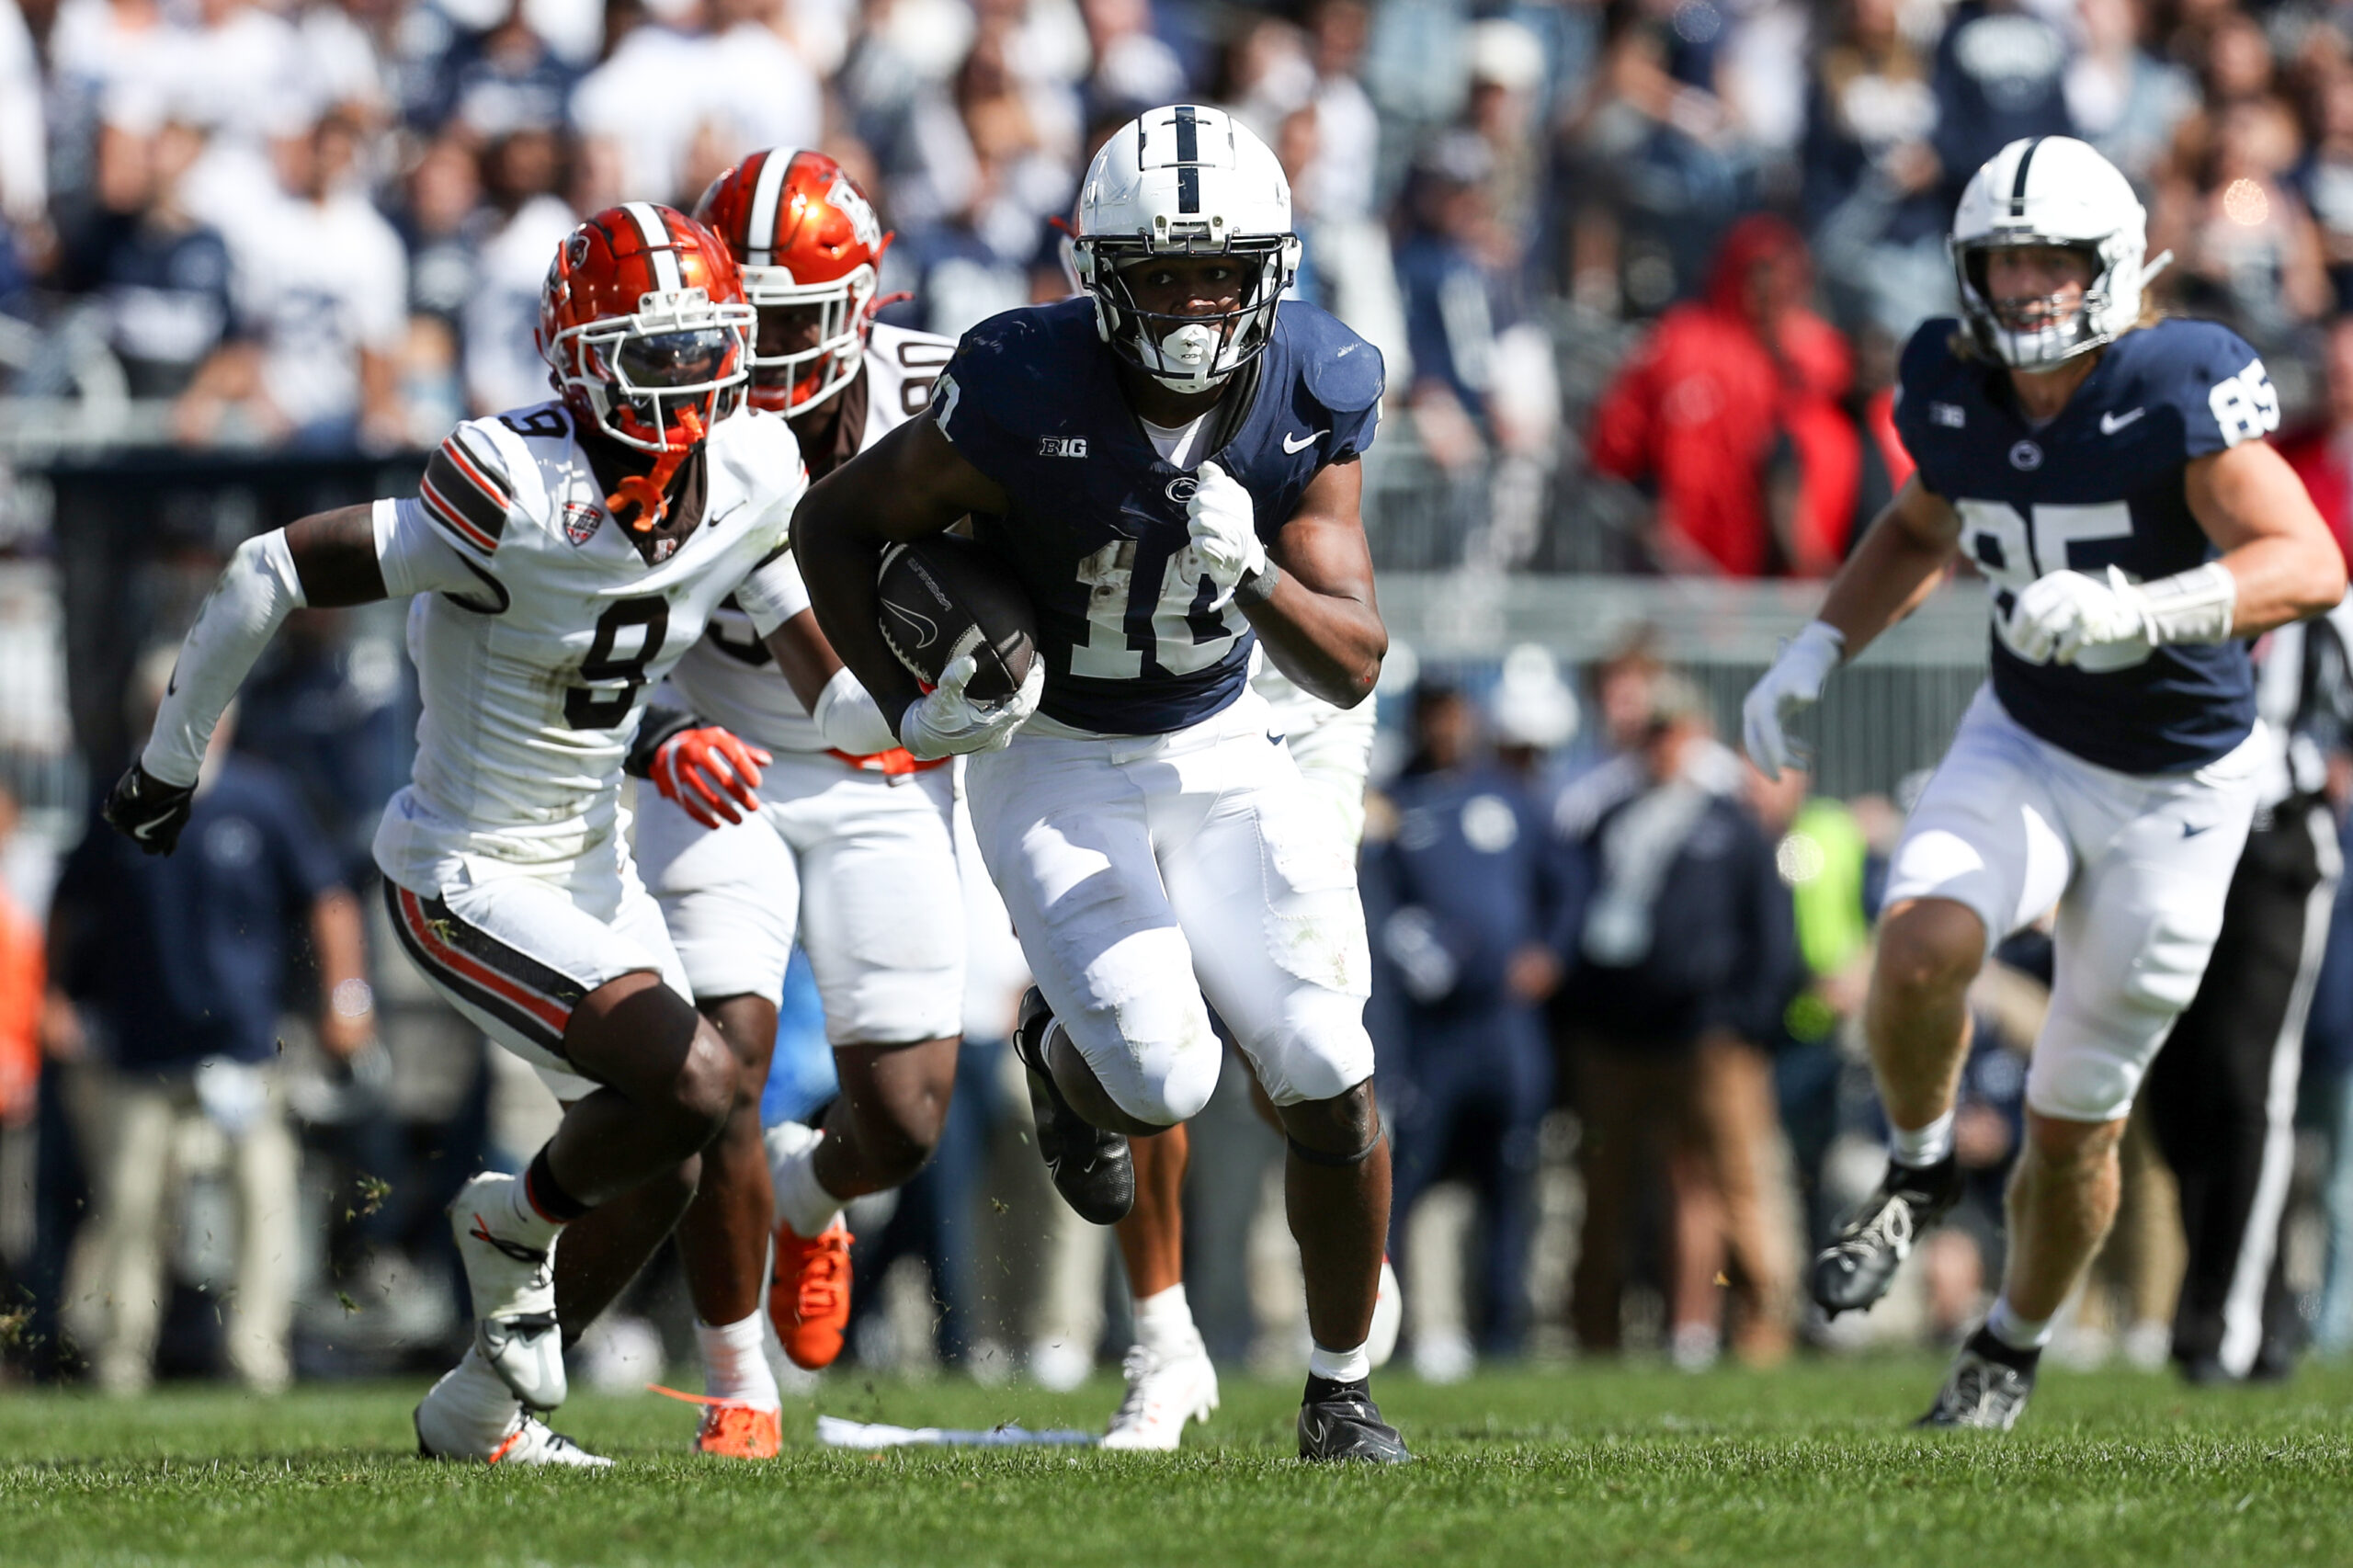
[[581, 520]]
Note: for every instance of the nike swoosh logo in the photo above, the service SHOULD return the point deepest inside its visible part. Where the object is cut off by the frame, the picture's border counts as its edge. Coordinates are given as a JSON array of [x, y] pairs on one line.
[[1273, 739], [727, 514], [2191, 830], [1300, 443], [145, 831], [2109, 423], [172, 686]]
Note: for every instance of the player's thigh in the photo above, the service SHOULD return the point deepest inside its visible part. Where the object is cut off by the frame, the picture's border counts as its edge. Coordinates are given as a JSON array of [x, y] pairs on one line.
[[729, 896], [517, 955], [1987, 833], [2133, 937], [1333, 758], [1067, 838], [883, 915], [1265, 888]]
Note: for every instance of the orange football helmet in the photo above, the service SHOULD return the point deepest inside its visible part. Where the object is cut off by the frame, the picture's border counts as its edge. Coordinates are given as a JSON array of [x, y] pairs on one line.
[[644, 321], [806, 238]]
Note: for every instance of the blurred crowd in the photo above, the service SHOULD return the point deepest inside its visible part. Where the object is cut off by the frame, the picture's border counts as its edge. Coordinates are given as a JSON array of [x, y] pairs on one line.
[[1647, 261], [1664, 249]]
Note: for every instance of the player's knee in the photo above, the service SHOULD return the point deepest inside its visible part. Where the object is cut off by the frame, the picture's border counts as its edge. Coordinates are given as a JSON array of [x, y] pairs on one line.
[[2064, 1144], [1341, 1129], [2072, 1089], [1177, 1092], [1927, 951], [897, 1138], [704, 1091]]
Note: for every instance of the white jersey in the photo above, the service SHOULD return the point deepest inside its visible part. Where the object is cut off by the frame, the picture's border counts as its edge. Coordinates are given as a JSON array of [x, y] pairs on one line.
[[728, 677], [539, 629]]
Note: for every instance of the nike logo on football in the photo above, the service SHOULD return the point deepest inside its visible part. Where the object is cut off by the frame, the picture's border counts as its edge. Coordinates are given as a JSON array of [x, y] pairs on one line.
[[1292, 444], [2109, 423]]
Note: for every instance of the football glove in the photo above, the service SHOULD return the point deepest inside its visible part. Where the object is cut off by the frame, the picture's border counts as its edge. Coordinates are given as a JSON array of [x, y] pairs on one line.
[[1224, 527], [945, 722], [709, 774], [148, 811], [1791, 685]]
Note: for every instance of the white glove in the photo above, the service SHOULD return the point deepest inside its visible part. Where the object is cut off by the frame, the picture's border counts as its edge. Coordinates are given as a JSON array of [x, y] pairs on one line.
[[1224, 525], [945, 722], [1793, 683], [2070, 618]]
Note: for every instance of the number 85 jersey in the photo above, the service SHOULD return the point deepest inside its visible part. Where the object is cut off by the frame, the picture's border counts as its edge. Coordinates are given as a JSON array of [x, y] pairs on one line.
[[538, 628], [2100, 485], [1137, 639]]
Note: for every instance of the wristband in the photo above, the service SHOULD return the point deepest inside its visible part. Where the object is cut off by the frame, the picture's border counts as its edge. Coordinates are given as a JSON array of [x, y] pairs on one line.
[[2197, 606], [1259, 587]]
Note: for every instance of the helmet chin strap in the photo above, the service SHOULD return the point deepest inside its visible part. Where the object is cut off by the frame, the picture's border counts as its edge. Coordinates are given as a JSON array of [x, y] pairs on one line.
[[649, 492]]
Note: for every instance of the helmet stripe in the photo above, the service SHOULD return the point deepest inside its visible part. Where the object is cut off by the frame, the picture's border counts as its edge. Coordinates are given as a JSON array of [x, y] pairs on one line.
[[759, 240], [1188, 188], [1188, 137], [2017, 186], [661, 250]]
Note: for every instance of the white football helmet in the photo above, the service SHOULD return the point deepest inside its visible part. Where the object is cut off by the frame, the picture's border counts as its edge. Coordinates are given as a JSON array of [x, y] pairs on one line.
[[2051, 190], [1185, 181]]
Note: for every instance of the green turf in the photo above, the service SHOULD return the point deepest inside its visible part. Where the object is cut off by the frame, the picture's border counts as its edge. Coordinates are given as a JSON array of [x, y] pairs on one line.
[[1810, 1465]]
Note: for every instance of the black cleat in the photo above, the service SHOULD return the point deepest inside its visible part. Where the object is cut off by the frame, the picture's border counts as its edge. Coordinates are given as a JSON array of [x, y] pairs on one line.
[[1092, 1168], [1854, 1272], [1988, 1389], [1339, 1421]]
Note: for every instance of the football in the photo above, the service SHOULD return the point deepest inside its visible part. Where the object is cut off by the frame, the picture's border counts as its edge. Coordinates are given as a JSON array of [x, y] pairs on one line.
[[945, 596]]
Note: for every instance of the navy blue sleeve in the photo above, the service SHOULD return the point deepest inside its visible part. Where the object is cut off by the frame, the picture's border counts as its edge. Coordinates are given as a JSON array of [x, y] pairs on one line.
[[2216, 381], [1919, 376], [1345, 374], [981, 381]]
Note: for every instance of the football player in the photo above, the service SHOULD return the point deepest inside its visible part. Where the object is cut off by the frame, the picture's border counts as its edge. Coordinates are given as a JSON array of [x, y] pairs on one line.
[[850, 844], [1169, 466], [1169, 1375], [2106, 472], [558, 560]]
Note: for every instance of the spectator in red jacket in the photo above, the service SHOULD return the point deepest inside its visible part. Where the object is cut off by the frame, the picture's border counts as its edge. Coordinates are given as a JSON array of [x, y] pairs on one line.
[[2322, 454], [1729, 411]]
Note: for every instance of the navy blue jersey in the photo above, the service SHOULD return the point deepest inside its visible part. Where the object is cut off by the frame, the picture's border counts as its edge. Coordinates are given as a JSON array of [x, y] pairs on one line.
[[1137, 640], [2100, 485]]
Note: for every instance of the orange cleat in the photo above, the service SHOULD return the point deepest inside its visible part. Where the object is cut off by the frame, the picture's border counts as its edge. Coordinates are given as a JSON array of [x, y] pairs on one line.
[[740, 1432], [809, 1294], [731, 1430]]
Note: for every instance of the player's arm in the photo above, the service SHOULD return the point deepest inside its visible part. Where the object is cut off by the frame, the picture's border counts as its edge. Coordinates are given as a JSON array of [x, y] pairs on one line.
[[910, 484], [1314, 608], [1894, 570], [2283, 561]]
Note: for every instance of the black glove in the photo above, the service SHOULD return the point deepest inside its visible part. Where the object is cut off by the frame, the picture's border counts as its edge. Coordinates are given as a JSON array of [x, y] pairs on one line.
[[149, 811]]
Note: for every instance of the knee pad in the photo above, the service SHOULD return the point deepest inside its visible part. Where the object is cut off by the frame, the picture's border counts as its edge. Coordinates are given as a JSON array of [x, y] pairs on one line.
[[2084, 1082], [1178, 1091]]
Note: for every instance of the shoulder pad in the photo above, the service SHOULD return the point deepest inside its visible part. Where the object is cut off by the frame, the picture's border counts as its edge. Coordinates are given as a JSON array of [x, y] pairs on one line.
[[1928, 357], [761, 450], [1342, 370], [469, 488], [1014, 340]]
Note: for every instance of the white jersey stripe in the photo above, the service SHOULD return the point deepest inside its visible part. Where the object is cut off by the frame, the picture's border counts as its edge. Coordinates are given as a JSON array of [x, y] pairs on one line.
[[659, 247], [759, 243]]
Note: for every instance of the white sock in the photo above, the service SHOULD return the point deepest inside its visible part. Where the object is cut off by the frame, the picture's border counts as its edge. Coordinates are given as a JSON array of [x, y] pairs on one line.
[[801, 1201], [734, 1366], [1164, 1322], [1340, 1366], [2019, 1334], [530, 1227], [1924, 1146], [479, 1397]]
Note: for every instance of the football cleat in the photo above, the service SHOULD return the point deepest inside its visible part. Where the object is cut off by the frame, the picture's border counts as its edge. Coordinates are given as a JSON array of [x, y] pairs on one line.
[[443, 1433], [732, 1430], [1339, 1421], [1164, 1392], [1986, 1390], [1388, 1316], [1855, 1270], [809, 1294], [1092, 1168], [513, 1285]]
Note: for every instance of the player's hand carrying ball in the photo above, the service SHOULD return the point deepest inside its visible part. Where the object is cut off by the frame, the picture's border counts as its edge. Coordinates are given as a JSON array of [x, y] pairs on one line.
[[1792, 684], [945, 722], [710, 774], [1226, 527]]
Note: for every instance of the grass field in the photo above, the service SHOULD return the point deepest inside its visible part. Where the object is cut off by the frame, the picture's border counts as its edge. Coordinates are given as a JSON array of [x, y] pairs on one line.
[[1811, 1465]]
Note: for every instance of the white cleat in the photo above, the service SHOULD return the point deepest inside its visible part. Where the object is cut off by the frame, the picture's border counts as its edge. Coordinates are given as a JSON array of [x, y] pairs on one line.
[[1163, 1395], [444, 1432], [1388, 1316], [513, 1285]]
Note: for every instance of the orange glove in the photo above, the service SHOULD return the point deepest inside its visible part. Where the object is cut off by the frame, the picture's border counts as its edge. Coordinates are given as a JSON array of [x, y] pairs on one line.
[[710, 774]]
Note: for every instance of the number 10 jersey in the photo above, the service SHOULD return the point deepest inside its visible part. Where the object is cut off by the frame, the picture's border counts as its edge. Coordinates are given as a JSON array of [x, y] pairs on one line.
[[537, 629]]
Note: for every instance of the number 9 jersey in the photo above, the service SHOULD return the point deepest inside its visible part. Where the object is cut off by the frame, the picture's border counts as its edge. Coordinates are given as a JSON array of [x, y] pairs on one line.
[[538, 628], [1137, 639], [2099, 485]]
